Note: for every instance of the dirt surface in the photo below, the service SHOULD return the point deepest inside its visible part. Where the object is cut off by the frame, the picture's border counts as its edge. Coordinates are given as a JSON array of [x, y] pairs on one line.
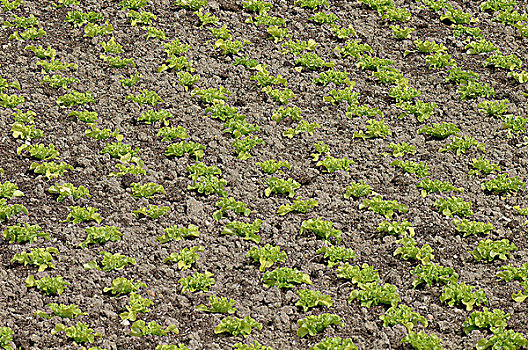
[[225, 256]]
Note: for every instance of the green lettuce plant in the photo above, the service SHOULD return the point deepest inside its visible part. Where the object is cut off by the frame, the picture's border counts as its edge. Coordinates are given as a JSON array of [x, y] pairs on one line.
[[357, 190], [230, 47], [430, 273], [56, 81], [293, 113], [257, 6], [322, 228], [343, 33], [240, 127], [244, 145], [472, 227], [362, 110], [137, 304], [439, 60], [170, 133], [461, 293], [185, 258], [110, 262], [346, 94], [23, 234], [484, 166], [285, 277], [358, 275], [80, 333], [39, 151], [332, 76], [402, 314], [301, 127], [486, 319], [47, 285], [75, 98], [79, 18], [237, 326], [372, 63], [353, 49], [255, 345], [31, 33], [470, 90], [280, 186], [266, 256], [299, 206], [503, 185], [122, 286], [489, 250], [147, 190], [271, 166], [244, 230], [84, 116], [336, 255], [101, 235], [155, 33], [396, 228], [130, 81], [374, 129], [422, 340], [151, 211], [92, 30], [453, 206], [229, 203], [401, 149], [141, 17], [145, 97], [419, 169], [409, 250], [62, 311], [521, 211], [335, 343], [129, 165], [420, 109], [197, 281], [179, 149], [383, 207], [8, 211], [218, 304], [212, 95], [320, 149], [503, 339], [10, 6], [41, 257], [118, 61], [390, 75], [140, 329], [373, 293], [311, 325], [514, 124], [401, 33], [9, 190], [78, 214], [209, 184], [324, 18], [112, 46], [332, 164], [68, 189], [429, 186]]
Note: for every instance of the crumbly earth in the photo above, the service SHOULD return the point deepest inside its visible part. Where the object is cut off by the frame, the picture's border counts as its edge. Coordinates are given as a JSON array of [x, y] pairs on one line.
[[236, 276]]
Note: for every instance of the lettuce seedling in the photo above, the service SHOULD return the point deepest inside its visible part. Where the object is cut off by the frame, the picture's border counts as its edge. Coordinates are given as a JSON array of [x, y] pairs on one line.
[[122, 286], [186, 257], [141, 329], [520, 77], [311, 325], [41, 52], [285, 277], [402, 314], [401, 33], [454, 206], [400, 14], [245, 61], [230, 47], [322, 228], [40, 257], [461, 145], [335, 343], [332, 164], [409, 250], [236, 326], [267, 256], [56, 81], [68, 189], [280, 186], [147, 190], [432, 186], [514, 124], [470, 89], [278, 33], [118, 61], [359, 110], [313, 4], [209, 184], [119, 149], [403, 93], [320, 149], [126, 166], [10, 6], [440, 130], [343, 33], [503, 339], [134, 4], [170, 133], [22, 22], [486, 319], [423, 341], [144, 97], [22, 234], [169, 347], [510, 62], [439, 60], [110, 262], [5, 85], [225, 34], [472, 227], [461, 293], [80, 333], [63, 3], [410, 167], [324, 18], [457, 16], [336, 255], [101, 235], [84, 116], [312, 61], [239, 127], [271, 166], [131, 81], [8, 211], [255, 345], [92, 30], [220, 110], [281, 96], [345, 94], [112, 46], [458, 75], [220, 305], [155, 33], [397, 228], [298, 46], [257, 6], [481, 46], [510, 273], [503, 185], [489, 250], [212, 95], [521, 211], [353, 49], [421, 110], [198, 281], [102, 134], [357, 275], [401, 149], [299, 206], [229, 203], [430, 273], [390, 75], [373, 293], [39, 151], [187, 79], [9, 190], [300, 128], [79, 18], [136, 304], [264, 78], [47, 285], [267, 20], [141, 18], [383, 207], [78, 215], [246, 231], [193, 5], [374, 129], [357, 190], [75, 98], [62, 311], [10, 101], [151, 211], [200, 169], [24, 117], [373, 63], [31, 33]]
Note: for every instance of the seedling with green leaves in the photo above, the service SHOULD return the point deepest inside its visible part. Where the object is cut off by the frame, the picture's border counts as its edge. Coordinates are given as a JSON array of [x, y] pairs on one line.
[[401, 149], [357, 275], [312, 61], [503, 185], [423, 340], [299, 206], [186, 257], [200, 169], [229, 203], [237, 326], [221, 305], [521, 211], [75, 98], [255, 345], [285, 277], [78, 214], [130, 81], [23, 233], [177, 233], [332, 164], [92, 30], [62, 311], [336, 255], [40, 257], [486, 319], [79, 18], [151, 211], [429, 186], [47, 285], [483, 166], [472, 227], [281, 96], [84, 116], [122, 286], [185, 147], [129, 165], [110, 262], [68, 189], [212, 95], [410, 167], [499, 60], [502, 338], [145, 97], [390, 75], [140, 18], [312, 325], [269, 21], [209, 184], [101, 235], [335, 343], [439, 60], [147, 190], [489, 250], [460, 145], [470, 90], [421, 110], [31, 33], [320, 149], [240, 127], [514, 125], [431, 273], [345, 94], [373, 63], [402, 314], [266, 256], [197, 281], [454, 206], [39, 151], [281, 186], [80, 333], [402, 228], [461, 293], [137, 304], [140, 329], [357, 190], [9, 190], [230, 47], [401, 33], [170, 133], [134, 4], [383, 207], [322, 228], [56, 81], [8, 211], [244, 230], [409, 250], [10, 101], [440, 130], [374, 129], [374, 293]]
